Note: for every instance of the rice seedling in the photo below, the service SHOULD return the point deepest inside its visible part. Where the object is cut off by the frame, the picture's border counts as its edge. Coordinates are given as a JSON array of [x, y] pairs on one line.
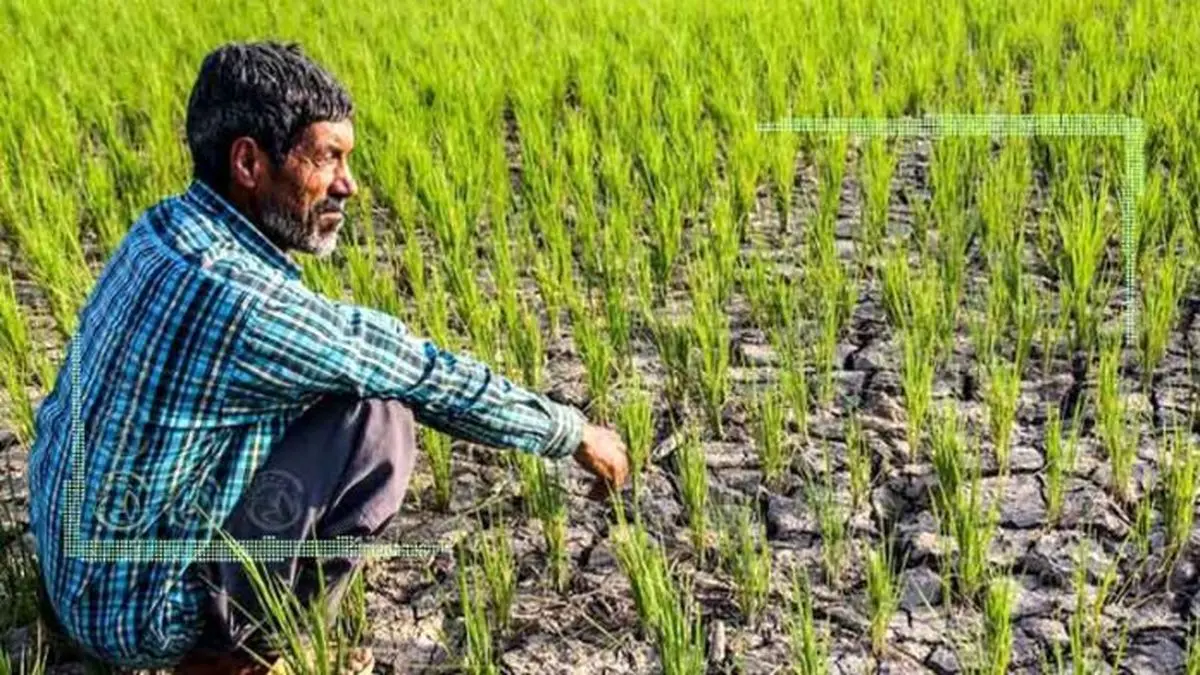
[[600, 360], [809, 649], [858, 461], [634, 420], [1180, 488], [831, 520], [693, 486], [774, 452], [18, 574], [960, 510], [1116, 431], [1163, 280], [1084, 231], [746, 555], [545, 501], [1001, 390], [26, 663], [758, 284], [306, 633], [710, 335], [878, 166], [998, 606], [480, 655], [528, 345], [793, 380], [782, 167], [674, 340], [499, 571], [668, 614], [884, 584], [1060, 461], [441, 461], [916, 383], [1084, 627]]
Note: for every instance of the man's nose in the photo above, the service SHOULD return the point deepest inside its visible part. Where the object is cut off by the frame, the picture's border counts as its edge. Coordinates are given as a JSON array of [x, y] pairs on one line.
[[343, 185]]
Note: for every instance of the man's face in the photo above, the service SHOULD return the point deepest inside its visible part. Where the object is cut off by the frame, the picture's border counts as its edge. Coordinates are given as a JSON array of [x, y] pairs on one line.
[[302, 204]]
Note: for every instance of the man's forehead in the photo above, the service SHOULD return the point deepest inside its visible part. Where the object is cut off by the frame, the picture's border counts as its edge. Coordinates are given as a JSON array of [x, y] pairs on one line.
[[337, 134]]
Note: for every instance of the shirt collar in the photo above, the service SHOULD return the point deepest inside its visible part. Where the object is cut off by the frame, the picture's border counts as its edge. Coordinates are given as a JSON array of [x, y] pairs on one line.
[[244, 232]]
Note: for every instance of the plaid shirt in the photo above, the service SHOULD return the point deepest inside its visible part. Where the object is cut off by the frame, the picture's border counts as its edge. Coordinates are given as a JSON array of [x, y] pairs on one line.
[[197, 347]]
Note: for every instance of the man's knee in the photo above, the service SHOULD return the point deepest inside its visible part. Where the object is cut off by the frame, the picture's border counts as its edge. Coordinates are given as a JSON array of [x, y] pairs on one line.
[[390, 432], [378, 474]]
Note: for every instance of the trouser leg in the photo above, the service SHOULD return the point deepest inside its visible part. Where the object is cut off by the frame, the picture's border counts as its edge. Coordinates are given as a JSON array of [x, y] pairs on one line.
[[340, 470]]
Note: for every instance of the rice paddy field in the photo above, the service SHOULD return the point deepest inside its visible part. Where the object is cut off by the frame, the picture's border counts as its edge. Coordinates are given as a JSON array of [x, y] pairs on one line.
[[887, 402]]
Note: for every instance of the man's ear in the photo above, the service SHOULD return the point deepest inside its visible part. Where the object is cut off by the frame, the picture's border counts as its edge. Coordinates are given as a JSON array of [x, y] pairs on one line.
[[246, 163]]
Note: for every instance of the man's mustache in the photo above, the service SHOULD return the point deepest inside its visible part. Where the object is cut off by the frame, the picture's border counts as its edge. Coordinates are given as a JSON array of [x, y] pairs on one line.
[[329, 205]]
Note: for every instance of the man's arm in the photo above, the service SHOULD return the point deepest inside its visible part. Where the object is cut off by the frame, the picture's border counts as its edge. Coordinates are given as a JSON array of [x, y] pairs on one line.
[[295, 343]]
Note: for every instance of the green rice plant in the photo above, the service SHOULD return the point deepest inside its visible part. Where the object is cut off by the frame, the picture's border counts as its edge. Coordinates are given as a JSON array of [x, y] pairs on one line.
[[1002, 388], [718, 254], [667, 237], [480, 655], [667, 614], [711, 336], [835, 291], [916, 381], [545, 501], [948, 452], [25, 662], [746, 556], [529, 347], [757, 284], [1143, 522], [897, 287], [18, 573], [963, 516], [693, 486], [14, 380], [1084, 232], [618, 321], [782, 168], [1163, 281], [884, 584], [1060, 461], [674, 340], [306, 634], [998, 607], [831, 520], [774, 452], [636, 424], [1180, 488], [878, 166], [1084, 628], [809, 649], [441, 464], [793, 381], [1113, 420], [499, 571], [600, 361], [367, 286], [435, 313], [858, 461], [14, 334]]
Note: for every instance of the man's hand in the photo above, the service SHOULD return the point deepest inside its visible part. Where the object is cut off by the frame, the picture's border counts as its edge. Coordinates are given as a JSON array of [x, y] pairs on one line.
[[603, 453]]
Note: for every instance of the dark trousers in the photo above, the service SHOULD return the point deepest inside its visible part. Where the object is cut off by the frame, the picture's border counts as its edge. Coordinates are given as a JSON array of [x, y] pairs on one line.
[[340, 470]]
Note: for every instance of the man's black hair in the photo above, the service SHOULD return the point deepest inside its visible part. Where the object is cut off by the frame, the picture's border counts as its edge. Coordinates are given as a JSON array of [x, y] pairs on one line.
[[269, 91]]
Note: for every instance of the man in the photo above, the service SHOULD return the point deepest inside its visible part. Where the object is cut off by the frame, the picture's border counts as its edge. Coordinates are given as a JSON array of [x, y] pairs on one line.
[[214, 388]]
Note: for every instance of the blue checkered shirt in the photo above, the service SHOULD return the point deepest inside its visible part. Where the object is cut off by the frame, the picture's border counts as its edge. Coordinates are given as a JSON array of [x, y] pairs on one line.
[[196, 348]]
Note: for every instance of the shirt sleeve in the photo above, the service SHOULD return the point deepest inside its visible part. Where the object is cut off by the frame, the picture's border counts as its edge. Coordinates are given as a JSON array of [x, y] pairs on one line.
[[295, 343]]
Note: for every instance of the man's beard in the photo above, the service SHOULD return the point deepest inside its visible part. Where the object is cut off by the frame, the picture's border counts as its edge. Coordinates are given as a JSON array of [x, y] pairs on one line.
[[304, 234]]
